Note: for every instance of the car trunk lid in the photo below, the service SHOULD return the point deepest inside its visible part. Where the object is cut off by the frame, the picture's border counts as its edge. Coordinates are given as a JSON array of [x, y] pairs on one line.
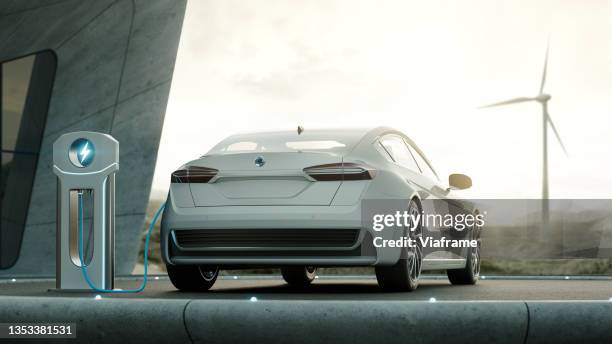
[[272, 178]]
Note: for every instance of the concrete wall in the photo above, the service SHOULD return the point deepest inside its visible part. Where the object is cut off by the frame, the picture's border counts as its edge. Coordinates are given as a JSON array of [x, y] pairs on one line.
[[115, 64]]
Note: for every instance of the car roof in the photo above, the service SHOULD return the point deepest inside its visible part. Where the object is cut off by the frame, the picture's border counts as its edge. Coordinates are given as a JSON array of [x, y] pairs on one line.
[[344, 132], [348, 137]]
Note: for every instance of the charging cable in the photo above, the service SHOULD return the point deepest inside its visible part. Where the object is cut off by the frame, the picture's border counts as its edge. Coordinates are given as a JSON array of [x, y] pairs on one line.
[[146, 252]]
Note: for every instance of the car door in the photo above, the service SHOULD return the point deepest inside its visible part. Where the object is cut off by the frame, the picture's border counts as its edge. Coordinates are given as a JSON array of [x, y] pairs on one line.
[[443, 205], [399, 151]]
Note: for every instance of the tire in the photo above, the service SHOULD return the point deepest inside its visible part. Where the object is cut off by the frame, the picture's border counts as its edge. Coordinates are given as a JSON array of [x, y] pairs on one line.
[[299, 276], [192, 277], [405, 274], [470, 273]]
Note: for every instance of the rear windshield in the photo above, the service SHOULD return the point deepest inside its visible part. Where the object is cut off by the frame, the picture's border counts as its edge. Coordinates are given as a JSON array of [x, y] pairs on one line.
[[337, 142]]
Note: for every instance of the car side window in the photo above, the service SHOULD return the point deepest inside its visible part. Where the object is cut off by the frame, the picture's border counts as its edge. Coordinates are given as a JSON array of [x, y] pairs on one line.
[[398, 151], [423, 165]]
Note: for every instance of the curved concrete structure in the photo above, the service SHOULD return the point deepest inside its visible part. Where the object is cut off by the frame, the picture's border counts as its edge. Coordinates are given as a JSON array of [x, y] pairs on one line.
[[115, 60]]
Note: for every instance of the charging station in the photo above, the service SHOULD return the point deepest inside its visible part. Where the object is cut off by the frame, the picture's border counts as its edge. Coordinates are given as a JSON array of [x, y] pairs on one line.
[[85, 164]]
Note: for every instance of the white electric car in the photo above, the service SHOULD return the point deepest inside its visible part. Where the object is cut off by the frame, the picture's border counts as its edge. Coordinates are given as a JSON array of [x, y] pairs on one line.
[[294, 200]]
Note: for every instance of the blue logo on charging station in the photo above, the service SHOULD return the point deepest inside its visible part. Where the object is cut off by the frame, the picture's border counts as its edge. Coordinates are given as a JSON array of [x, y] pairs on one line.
[[82, 152]]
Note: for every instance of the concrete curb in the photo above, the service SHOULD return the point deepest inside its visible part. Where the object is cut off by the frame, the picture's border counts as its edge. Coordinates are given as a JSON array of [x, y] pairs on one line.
[[236, 321], [102, 321], [565, 322], [355, 322]]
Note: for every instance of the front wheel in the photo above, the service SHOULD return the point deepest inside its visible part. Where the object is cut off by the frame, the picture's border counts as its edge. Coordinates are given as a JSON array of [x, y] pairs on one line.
[[470, 273], [299, 276], [192, 277]]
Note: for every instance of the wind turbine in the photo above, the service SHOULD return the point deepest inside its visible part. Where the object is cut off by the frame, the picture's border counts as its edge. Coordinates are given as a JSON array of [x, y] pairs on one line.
[[543, 99]]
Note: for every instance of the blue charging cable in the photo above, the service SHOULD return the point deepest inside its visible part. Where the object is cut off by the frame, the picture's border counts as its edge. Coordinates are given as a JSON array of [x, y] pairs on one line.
[[146, 253]]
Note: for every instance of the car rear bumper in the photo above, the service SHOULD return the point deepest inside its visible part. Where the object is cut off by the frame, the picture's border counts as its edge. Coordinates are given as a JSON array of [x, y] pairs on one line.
[[269, 236]]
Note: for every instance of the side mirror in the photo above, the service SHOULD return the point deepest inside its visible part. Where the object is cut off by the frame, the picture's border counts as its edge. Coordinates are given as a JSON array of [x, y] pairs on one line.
[[459, 181]]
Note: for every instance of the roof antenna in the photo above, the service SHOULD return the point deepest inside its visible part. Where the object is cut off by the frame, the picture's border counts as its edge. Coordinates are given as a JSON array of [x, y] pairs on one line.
[[300, 129]]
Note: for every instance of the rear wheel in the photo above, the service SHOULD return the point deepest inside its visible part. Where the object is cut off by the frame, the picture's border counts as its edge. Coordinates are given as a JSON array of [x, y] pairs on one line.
[[299, 276], [470, 273], [192, 277], [405, 274]]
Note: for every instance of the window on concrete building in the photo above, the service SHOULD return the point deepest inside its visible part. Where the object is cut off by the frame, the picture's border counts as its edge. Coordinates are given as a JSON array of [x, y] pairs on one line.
[[25, 89]]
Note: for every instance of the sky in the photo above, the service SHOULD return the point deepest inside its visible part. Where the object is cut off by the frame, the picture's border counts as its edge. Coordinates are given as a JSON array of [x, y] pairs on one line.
[[422, 67]]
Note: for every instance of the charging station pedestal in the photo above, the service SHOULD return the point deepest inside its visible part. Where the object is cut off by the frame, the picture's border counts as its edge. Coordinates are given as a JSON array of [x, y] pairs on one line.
[[85, 164]]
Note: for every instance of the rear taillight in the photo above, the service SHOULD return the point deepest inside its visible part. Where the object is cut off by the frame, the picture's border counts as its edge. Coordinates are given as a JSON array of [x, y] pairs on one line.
[[340, 171], [193, 174]]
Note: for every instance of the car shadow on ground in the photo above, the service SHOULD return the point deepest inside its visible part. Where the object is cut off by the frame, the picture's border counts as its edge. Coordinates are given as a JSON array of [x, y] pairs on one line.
[[316, 291]]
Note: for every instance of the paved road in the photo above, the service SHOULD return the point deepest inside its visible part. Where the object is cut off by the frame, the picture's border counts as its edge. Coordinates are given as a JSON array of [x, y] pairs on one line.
[[343, 288]]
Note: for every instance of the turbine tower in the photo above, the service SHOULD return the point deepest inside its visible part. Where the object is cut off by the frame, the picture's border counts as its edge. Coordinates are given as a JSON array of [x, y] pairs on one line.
[[543, 99]]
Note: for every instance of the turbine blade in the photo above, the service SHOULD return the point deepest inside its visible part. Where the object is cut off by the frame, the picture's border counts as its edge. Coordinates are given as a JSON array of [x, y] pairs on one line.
[[552, 125], [545, 67], [511, 101]]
